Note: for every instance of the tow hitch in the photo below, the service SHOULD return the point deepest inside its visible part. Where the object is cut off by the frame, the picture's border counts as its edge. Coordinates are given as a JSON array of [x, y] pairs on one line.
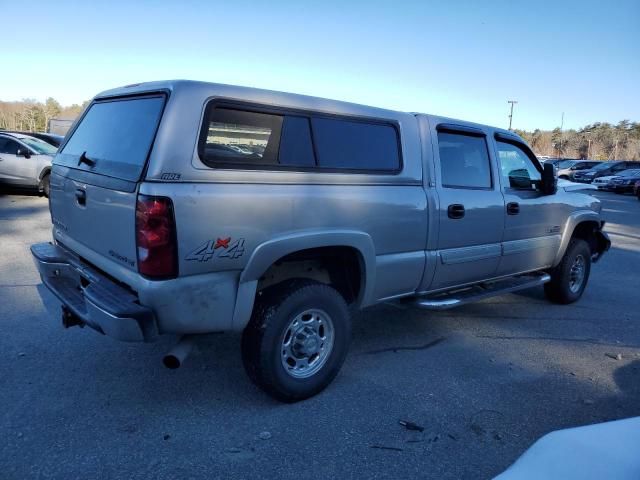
[[69, 319]]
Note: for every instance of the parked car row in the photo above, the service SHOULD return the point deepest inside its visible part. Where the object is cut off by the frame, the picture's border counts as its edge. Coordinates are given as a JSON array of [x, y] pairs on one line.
[[604, 169], [25, 159]]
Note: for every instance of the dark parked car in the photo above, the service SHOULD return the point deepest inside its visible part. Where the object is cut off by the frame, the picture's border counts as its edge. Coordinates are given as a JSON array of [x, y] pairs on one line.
[[625, 182], [604, 169], [568, 168], [51, 138]]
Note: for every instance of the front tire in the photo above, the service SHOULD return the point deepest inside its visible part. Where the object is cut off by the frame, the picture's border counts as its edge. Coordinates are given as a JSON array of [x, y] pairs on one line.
[[45, 185], [570, 277], [297, 339]]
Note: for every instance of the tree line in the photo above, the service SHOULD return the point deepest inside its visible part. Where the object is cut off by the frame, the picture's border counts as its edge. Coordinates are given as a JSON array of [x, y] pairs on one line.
[[598, 141], [33, 116]]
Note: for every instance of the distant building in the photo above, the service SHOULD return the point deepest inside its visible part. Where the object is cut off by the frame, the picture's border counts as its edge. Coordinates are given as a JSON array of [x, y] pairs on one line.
[[59, 126]]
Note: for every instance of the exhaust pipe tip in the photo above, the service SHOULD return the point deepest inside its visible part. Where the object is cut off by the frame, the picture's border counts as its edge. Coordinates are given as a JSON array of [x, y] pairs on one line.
[[171, 362], [180, 351]]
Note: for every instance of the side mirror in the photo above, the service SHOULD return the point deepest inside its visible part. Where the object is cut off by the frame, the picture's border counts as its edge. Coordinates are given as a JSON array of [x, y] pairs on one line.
[[520, 180], [549, 183], [23, 152]]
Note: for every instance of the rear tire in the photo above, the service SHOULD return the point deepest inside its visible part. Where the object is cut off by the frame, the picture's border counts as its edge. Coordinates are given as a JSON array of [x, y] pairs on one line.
[[297, 339], [570, 277]]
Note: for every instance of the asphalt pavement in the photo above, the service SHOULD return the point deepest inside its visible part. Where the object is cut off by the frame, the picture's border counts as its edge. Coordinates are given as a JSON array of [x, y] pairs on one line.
[[484, 381]]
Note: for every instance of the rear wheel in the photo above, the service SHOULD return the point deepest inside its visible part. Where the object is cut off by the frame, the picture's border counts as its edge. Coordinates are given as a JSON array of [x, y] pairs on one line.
[[297, 339], [570, 277]]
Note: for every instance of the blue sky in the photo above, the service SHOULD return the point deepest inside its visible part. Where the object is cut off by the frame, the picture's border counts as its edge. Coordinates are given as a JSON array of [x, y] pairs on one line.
[[462, 59]]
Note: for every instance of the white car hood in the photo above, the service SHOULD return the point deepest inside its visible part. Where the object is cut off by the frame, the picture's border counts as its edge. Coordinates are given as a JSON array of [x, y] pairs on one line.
[[569, 186], [600, 451]]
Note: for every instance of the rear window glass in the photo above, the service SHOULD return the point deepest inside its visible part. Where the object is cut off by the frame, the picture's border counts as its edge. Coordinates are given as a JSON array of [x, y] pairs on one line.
[[115, 136], [344, 144]]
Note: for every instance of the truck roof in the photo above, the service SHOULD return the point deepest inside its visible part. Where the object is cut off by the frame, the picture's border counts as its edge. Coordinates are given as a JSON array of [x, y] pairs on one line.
[[273, 97]]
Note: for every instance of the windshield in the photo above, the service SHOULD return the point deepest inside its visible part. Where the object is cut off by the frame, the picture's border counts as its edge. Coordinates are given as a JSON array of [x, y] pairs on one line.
[[39, 146], [566, 163], [630, 173], [115, 136]]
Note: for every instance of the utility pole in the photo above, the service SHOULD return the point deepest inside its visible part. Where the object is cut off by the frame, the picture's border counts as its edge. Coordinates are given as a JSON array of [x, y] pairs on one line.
[[512, 102], [561, 125]]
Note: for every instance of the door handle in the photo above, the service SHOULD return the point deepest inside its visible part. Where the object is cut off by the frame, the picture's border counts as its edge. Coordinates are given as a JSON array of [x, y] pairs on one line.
[[513, 208], [81, 197], [455, 211]]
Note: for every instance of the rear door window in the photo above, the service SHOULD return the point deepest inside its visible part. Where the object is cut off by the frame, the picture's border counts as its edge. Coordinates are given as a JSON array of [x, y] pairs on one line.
[[116, 136], [464, 160]]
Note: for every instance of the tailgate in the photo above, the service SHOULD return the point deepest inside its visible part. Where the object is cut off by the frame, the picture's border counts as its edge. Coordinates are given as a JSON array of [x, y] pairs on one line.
[[98, 217], [96, 173]]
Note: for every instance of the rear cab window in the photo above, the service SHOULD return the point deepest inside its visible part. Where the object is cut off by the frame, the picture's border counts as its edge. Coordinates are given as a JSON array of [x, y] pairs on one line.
[[239, 138], [464, 160], [115, 135]]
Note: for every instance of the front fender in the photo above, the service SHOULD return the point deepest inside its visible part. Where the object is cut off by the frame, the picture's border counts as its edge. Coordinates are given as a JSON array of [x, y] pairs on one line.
[[267, 253], [575, 219]]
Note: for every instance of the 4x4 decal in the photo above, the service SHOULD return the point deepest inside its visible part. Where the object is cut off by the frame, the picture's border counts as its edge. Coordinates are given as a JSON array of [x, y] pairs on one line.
[[220, 247]]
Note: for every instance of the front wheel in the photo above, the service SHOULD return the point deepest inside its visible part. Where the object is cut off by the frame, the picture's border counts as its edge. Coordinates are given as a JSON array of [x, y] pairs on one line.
[[297, 339], [45, 185], [570, 277]]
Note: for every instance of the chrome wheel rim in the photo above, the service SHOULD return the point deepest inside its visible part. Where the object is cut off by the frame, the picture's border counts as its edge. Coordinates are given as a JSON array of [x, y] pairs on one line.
[[576, 274], [307, 343]]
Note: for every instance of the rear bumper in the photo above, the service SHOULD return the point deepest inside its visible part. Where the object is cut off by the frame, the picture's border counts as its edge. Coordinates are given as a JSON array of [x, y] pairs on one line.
[[94, 299]]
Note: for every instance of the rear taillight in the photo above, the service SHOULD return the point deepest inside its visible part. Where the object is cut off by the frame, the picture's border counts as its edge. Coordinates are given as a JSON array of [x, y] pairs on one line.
[[156, 237]]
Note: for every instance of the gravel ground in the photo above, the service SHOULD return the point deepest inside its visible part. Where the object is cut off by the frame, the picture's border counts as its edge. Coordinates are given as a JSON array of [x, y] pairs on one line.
[[485, 381]]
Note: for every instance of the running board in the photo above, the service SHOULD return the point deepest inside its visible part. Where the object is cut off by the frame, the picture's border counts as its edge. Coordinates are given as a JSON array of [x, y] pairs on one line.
[[444, 301]]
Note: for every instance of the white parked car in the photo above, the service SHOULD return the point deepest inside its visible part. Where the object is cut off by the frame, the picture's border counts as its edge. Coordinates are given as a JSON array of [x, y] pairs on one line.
[[603, 183], [25, 161]]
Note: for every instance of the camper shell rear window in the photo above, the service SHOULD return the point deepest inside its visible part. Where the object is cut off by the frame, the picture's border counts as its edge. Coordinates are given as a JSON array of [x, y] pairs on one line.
[[114, 136]]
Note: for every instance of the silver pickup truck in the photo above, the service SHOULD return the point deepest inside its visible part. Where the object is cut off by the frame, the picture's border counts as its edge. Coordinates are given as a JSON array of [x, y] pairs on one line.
[[188, 208]]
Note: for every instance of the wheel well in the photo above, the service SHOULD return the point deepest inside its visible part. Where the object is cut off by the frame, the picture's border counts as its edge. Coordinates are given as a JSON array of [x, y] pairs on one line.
[[585, 231], [340, 267], [44, 172]]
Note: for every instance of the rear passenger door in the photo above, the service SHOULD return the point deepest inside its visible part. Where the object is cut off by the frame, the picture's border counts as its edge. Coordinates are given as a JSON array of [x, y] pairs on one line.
[[471, 207]]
